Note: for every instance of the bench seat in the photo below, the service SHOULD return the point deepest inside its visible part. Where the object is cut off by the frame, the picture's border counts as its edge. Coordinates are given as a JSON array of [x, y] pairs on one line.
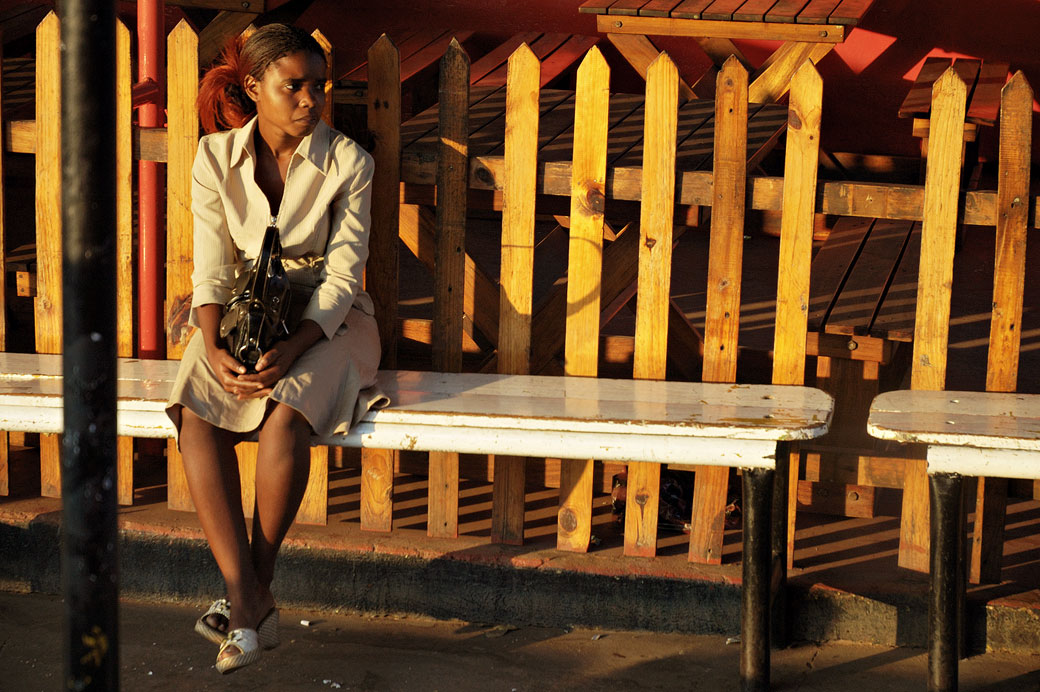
[[623, 420]]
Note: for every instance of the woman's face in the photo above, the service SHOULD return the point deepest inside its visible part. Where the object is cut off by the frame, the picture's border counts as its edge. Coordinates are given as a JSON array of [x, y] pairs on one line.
[[291, 95]]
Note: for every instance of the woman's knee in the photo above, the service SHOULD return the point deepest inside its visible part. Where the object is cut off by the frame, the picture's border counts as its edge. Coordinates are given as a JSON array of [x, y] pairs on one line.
[[285, 422]]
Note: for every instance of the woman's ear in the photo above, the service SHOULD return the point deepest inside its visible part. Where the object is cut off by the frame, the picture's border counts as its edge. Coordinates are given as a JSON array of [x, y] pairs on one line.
[[252, 87]]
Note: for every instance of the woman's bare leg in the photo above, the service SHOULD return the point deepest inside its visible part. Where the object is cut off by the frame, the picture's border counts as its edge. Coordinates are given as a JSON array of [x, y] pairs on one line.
[[282, 467], [211, 468]]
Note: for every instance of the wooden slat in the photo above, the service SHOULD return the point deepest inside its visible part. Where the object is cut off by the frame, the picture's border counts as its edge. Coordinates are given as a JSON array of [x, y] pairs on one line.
[[796, 230], [918, 100], [722, 310], [866, 287], [48, 223], [626, 7], [124, 244], [499, 55], [542, 47], [565, 57], [985, 100], [667, 26], [658, 8], [655, 259], [182, 143], [773, 78], [850, 12], [330, 75], [585, 260], [1008, 285], [931, 331], [517, 271], [753, 10], [817, 11], [216, 34], [721, 10], [690, 9], [314, 507], [449, 276], [895, 321], [4, 441], [785, 11], [796, 227], [595, 6], [639, 52], [427, 56], [381, 271]]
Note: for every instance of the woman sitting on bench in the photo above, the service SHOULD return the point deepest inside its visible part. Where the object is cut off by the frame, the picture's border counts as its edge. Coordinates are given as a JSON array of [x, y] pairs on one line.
[[279, 166]]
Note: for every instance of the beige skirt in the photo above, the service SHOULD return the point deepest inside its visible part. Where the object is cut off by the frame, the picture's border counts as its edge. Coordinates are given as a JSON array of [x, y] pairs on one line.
[[332, 384]]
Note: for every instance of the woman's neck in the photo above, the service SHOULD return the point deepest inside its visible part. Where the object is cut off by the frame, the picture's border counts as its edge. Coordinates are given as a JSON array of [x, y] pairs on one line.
[[278, 144]]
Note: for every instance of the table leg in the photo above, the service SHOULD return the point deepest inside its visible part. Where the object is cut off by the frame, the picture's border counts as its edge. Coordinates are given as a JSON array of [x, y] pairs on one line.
[[755, 593], [947, 580]]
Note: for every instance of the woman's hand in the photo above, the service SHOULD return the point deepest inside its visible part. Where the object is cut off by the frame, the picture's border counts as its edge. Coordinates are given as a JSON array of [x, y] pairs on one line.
[[277, 360]]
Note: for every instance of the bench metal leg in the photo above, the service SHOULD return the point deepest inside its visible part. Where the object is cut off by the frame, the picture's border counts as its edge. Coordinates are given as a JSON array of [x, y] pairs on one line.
[[947, 580], [756, 568]]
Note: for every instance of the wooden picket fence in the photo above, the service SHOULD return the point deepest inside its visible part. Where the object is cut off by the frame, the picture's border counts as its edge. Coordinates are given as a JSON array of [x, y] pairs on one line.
[[521, 180]]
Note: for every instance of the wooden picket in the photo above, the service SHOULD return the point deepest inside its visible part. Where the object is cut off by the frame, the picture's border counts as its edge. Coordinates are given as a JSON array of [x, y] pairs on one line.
[[124, 244], [182, 128], [48, 223], [4, 440], [796, 231], [1016, 125], [655, 264], [722, 318], [585, 260], [450, 272], [514, 330], [938, 237], [384, 122]]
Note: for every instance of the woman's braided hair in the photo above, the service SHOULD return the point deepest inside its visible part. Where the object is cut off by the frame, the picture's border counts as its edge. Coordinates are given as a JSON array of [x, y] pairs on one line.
[[223, 103]]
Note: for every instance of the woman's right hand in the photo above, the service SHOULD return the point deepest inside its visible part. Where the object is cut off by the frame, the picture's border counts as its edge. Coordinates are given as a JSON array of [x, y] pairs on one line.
[[227, 370]]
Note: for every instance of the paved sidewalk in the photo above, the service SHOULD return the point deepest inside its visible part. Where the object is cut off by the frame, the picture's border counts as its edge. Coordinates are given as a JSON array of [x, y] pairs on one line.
[[159, 651]]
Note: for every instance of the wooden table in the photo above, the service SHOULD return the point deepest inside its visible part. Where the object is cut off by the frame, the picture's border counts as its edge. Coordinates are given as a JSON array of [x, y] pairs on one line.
[[968, 434], [805, 29]]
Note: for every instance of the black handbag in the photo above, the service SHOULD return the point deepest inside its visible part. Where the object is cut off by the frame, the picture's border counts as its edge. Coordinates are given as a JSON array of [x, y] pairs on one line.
[[254, 316]]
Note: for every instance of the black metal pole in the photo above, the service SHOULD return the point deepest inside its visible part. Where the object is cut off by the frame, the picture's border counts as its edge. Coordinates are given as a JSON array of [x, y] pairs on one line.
[[754, 607], [89, 561], [947, 576]]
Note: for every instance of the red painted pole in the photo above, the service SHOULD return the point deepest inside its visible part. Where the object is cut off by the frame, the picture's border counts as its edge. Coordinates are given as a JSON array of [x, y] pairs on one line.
[[151, 279]]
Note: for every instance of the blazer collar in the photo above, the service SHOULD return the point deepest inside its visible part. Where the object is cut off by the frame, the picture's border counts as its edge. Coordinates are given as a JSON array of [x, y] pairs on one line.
[[313, 148]]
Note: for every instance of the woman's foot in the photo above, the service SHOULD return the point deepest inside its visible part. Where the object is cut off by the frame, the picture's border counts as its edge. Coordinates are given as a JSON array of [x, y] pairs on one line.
[[257, 615], [241, 648], [213, 625]]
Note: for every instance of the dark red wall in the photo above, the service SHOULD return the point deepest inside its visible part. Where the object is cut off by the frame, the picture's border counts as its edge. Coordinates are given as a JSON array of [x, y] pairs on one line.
[[864, 80]]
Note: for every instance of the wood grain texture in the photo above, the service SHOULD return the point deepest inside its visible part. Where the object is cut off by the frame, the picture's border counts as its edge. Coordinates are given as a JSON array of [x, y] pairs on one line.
[[48, 223], [517, 271], [449, 274], [377, 489], [4, 440], [384, 119], [931, 330], [182, 143], [938, 233], [722, 309], [640, 53], [796, 226], [773, 78], [1008, 285], [178, 497], [584, 274], [654, 284], [124, 244]]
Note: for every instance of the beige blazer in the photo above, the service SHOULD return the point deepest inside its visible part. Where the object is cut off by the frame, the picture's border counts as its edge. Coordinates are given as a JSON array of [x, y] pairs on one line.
[[323, 220]]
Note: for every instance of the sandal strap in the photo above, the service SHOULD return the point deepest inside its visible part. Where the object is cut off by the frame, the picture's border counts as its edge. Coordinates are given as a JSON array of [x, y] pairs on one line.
[[243, 639], [221, 607]]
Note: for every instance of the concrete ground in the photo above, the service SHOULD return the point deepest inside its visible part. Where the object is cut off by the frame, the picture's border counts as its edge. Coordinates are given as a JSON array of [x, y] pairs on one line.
[[159, 651]]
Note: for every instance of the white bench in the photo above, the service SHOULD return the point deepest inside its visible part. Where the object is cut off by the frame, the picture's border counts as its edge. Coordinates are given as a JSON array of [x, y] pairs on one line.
[[585, 418], [984, 434]]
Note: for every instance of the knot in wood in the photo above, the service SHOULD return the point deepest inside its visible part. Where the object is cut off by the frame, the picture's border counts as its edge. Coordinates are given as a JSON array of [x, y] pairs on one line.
[[568, 521], [793, 121], [484, 175], [642, 499], [650, 242], [595, 201]]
